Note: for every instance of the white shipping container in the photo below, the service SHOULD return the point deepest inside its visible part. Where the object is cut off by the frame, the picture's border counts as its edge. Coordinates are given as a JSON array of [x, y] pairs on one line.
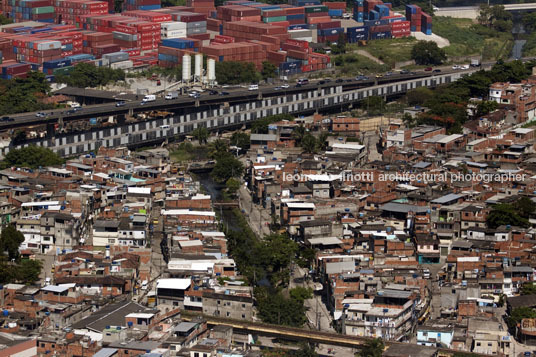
[[122, 65], [48, 45], [175, 25], [308, 39], [174, 34], [300, 33]]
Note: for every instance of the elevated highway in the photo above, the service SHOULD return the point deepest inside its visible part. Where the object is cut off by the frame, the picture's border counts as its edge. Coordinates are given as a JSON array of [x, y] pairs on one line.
[[472, 12], [214, 114]]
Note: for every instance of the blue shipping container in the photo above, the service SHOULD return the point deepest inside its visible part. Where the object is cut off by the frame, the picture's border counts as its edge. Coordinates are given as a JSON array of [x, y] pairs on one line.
[[334, 13], [376, 22], [178, 43], [380, 35], [374, 15], [298, 27], [357, 30], [330, 32]]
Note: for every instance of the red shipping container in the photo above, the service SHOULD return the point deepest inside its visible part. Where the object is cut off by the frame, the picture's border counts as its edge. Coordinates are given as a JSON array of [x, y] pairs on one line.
[[328, 25], [339, 5]]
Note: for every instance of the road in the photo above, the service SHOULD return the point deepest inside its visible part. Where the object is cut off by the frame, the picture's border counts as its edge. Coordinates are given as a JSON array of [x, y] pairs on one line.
[[235, 95], [258, 218], [317, 313]]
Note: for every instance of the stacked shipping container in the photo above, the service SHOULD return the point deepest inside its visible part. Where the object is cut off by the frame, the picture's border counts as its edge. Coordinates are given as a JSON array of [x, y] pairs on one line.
[[24, 10]]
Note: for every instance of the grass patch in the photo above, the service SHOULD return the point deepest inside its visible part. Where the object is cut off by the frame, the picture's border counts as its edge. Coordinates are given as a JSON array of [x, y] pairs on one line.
[[468, 38], [186, 151], [352, 64], [391, 51]]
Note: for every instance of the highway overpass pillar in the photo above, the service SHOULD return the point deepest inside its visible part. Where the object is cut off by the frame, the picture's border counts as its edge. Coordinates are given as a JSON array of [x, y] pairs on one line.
[[131, 112], [50, 130]]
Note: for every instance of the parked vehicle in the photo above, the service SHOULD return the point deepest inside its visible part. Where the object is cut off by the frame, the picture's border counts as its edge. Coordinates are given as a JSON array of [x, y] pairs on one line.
[[428, 69], [172, 95], [285, 85], [73, 104], [253, 87], [437, 70], [303, 81]]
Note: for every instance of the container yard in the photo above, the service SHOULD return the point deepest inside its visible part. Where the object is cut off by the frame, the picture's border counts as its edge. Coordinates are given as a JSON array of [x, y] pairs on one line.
[[55, 35]]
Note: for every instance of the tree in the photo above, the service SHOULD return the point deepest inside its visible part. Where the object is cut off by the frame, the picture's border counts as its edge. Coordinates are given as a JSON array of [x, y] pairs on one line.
[[269, 70], [277, 252], [496, 17], [227, 166], [373, 105], [322, 140], [525, 206], [86, 75], [505, 214], [340, 46], [200, 134], [419, 96], [309, 143], [32, 157], [10, 241], [306, 257], [427, 53], [232, 185], [5, 20], [301, 294], [241, 140], [274, 308], [230, 72], [518, 314], [217, 148], [260, 126], [485, 107], [299, 133], [528, 289], [372, 348], [28, 271], [20, 95]]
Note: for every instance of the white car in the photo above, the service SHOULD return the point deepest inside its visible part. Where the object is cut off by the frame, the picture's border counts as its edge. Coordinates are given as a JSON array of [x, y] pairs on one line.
[[456, 67], [285, 86], [465, 66]]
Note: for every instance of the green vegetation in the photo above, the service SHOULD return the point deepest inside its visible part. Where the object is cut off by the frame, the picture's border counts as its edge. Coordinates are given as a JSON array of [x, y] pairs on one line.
[[21, 95], [230, 72], [428, 53], [267, 262], [260, 126], [232, 185], [373, 348], [515, 214], [495, 17], [447, 103], [391, 51], [468, 38], [200, 134], [305, 351], [32, 157], [528, 289], [352, 64], [86, 75], [5, 20], [339, 47], [241, 140], [227, 166], [168, 3], [12, 268], [186, 151], [269, 70], [518, 314]]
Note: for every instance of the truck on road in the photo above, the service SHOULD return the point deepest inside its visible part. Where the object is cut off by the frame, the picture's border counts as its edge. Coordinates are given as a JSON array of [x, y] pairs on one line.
[[475, 62], [148, 98], [172, 95]]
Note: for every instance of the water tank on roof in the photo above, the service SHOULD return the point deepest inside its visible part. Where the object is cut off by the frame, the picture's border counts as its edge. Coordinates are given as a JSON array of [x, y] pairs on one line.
[[346, 210], [385, 311], [388, 229], [47, 313], [346, 306], [118, 328], [5, 313], [130, 324], [508, 226]]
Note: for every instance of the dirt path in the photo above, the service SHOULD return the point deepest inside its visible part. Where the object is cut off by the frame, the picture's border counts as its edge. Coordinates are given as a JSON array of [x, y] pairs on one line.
[[368, 55]]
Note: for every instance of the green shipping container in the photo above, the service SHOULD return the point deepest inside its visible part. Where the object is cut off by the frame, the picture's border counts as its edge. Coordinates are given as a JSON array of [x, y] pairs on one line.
[[274, 19], [319, 8], [43, 10]]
